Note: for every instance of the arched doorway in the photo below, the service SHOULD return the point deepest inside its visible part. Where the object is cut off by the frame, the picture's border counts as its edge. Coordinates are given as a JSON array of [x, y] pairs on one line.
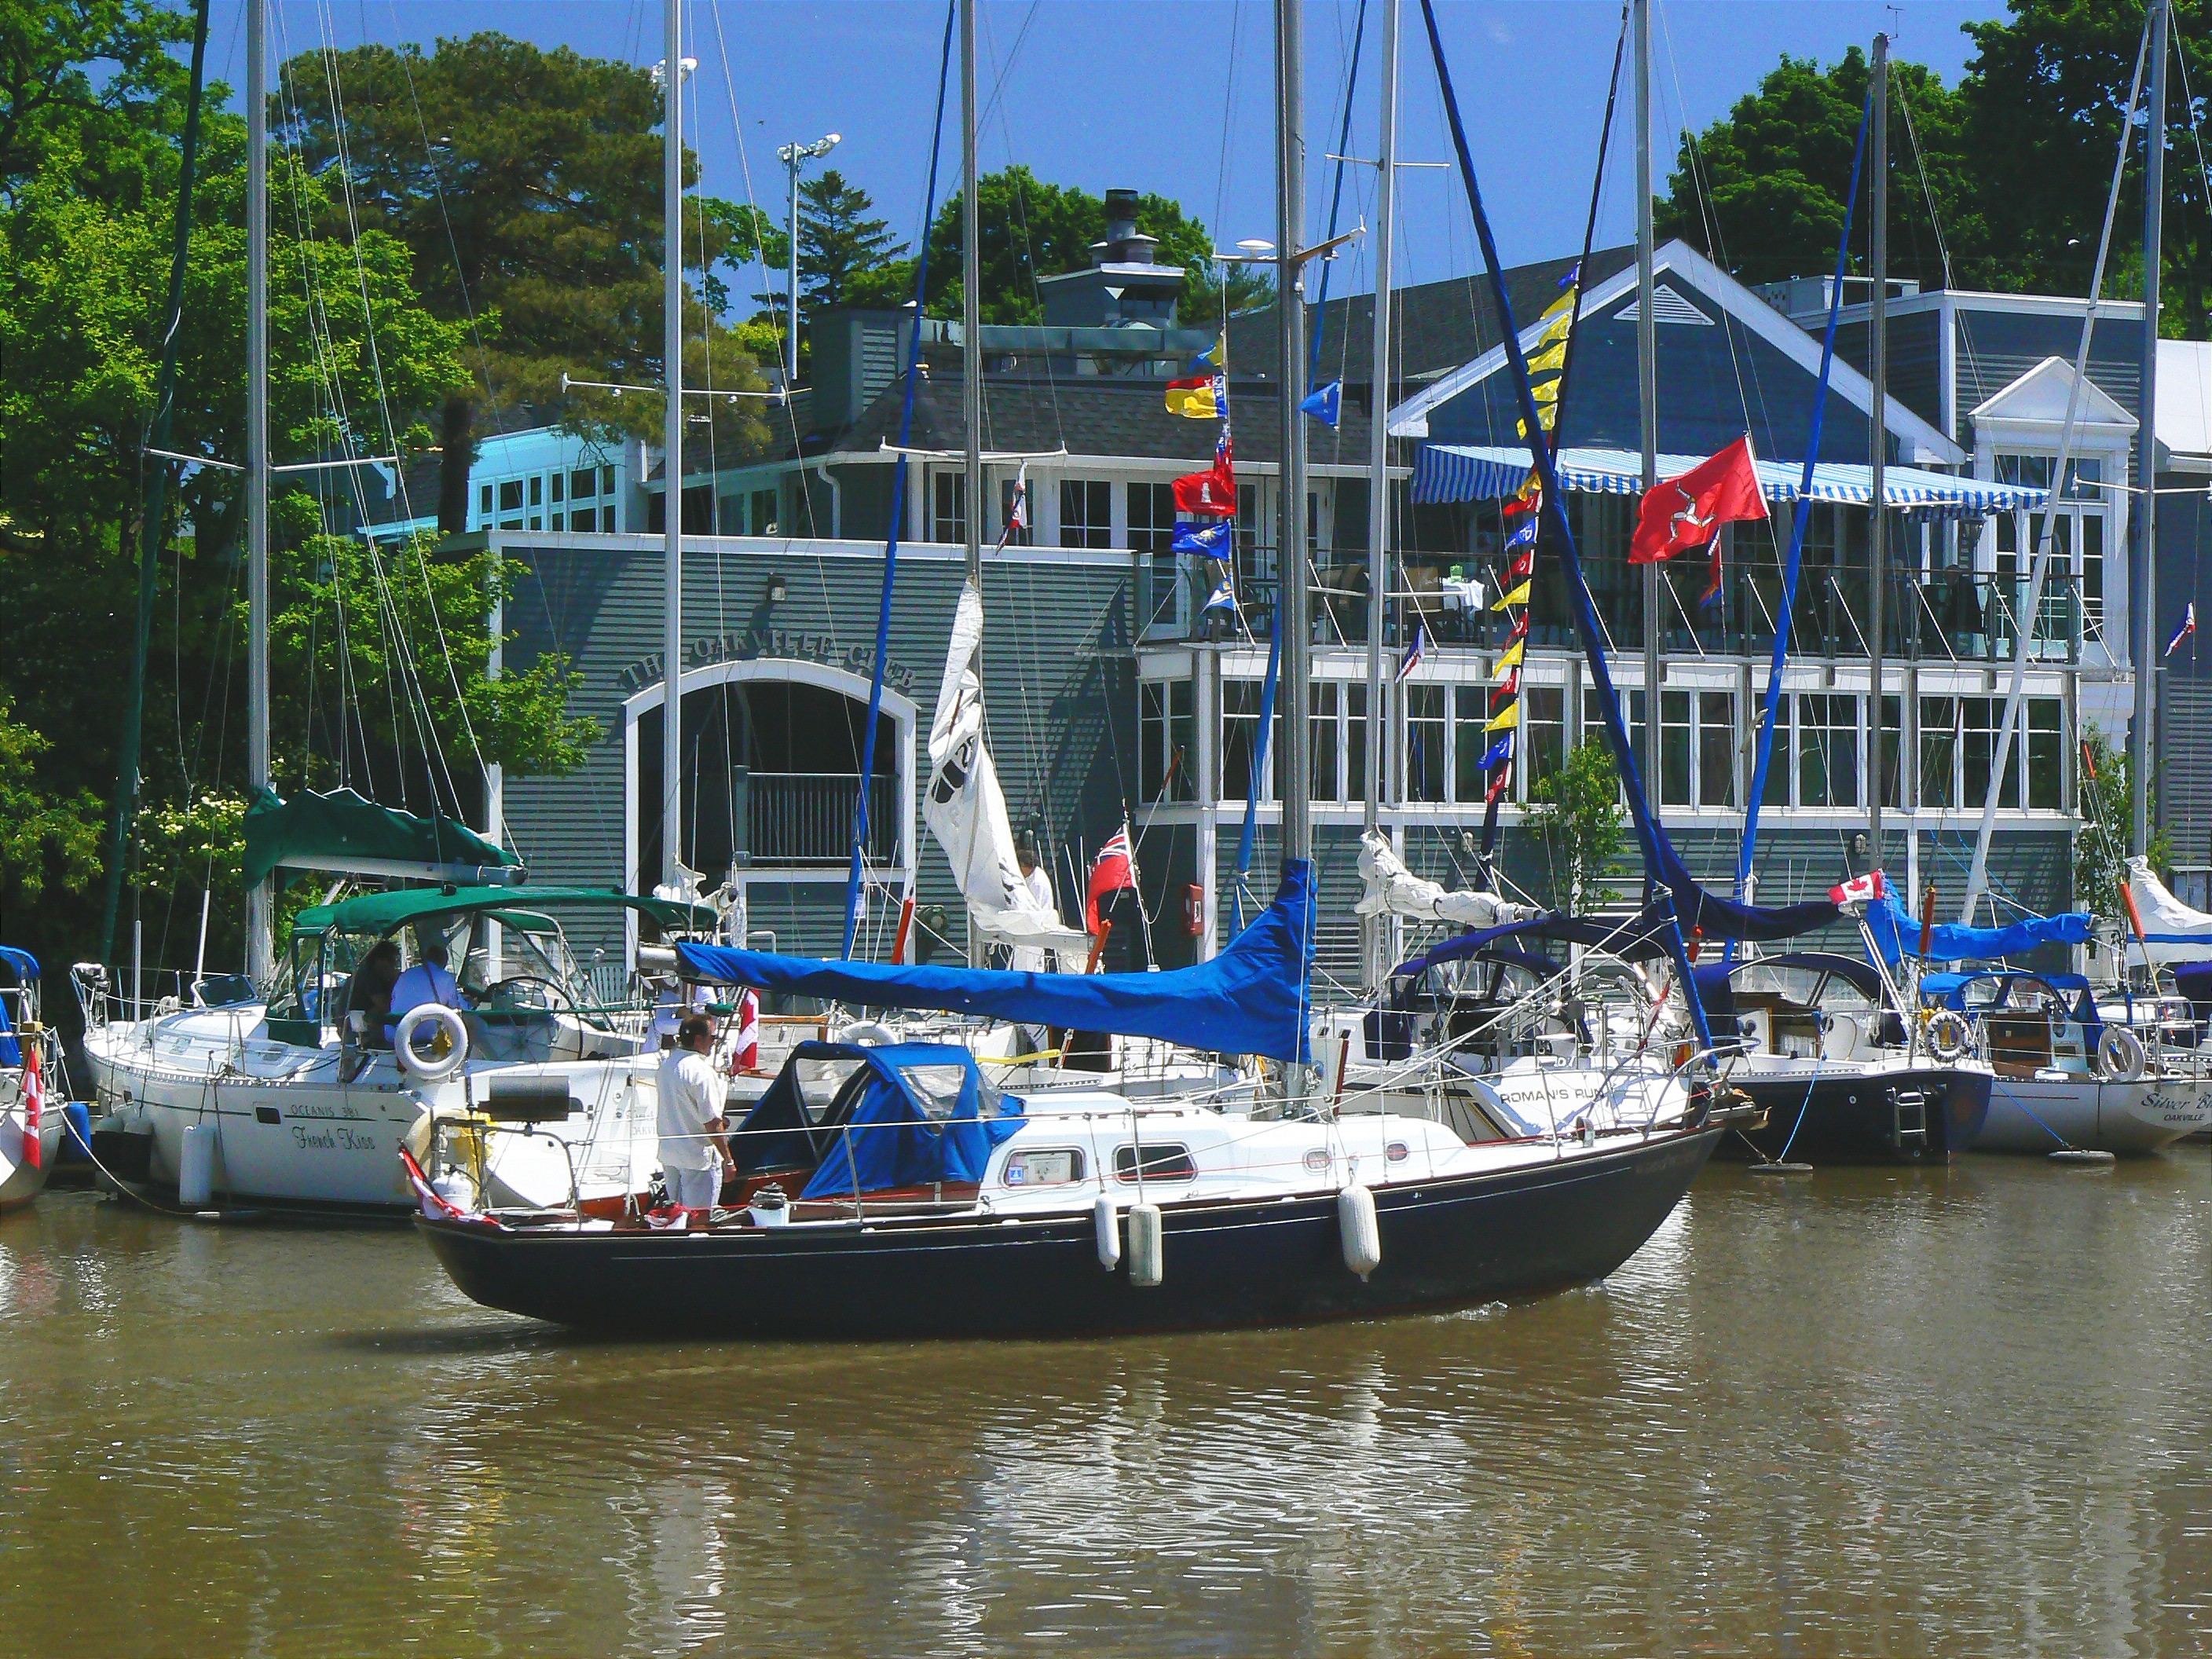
[[773, 751]]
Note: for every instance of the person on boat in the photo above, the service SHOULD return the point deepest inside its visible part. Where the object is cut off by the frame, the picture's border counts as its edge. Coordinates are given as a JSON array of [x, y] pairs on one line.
[[369, 994], [427, 982], [693, 1154], [1030, 958]]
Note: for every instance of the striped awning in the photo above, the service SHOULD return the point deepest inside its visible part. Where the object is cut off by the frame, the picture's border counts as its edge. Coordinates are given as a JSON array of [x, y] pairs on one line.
[[1484, 472]]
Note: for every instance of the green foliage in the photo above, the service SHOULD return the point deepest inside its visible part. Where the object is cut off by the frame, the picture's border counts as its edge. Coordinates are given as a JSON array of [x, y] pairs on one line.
[[371, 648], [104, 132], [2100, 847], [527, 183], [2016, 158], [42, 835], [1578, 814], [837, 240]]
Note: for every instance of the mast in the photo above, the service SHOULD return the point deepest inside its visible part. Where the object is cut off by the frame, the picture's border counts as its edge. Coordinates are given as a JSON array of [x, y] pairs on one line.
[[1878, 443], [1647, 378], [2146, 539], [1291, 533], [1375, 930], [260, 952], [972, 306], [671, 351]]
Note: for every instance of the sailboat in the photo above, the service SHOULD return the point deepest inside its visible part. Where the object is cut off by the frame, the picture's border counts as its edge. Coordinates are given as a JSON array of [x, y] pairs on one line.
[[267, 1089], [31, 1128], [904, 1195], [2078, 1074]]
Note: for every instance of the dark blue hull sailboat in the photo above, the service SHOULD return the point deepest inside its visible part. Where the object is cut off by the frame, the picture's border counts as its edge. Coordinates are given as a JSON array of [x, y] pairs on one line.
[[1447, 1243]]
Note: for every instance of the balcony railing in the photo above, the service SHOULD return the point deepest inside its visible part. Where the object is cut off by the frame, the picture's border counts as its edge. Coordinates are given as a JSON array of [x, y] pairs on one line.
[[807, 817], [1943, 615]]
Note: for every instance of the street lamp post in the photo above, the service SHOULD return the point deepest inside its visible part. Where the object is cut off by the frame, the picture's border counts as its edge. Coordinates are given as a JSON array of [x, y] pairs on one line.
[[793, 157]]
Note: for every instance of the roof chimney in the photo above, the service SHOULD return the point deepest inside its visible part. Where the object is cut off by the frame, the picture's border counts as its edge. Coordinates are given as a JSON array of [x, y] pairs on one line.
[[1124, 245]]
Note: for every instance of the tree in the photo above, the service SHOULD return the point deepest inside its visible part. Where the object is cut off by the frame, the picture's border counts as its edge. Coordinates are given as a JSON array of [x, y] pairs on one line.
[[1577, 815], [2100, 847], [1763, 191], [837, 240], [527, 183], [2016, 158], [106, 131]]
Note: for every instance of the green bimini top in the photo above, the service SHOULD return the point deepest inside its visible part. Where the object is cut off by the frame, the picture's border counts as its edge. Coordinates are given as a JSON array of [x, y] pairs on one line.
[[344, 833], [379, 913]]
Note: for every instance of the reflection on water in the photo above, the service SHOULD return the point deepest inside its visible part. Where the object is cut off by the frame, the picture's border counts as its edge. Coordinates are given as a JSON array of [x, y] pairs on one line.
[[1916, 1413]]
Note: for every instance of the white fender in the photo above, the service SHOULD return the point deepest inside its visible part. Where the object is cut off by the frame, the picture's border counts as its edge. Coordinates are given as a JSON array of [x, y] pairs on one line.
[[438, 1067], [196, 1167], [1362, 1233], [1106, 1221], [868, 1031], [2120, 1054], [1145, 1261]]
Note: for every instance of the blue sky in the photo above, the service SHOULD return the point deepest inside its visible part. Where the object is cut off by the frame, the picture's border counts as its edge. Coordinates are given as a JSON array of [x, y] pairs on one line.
[[1175, 96]]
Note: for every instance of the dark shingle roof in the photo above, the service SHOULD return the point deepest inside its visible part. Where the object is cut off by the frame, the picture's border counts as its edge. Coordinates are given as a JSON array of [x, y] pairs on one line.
[[1442, 324], [1095, 416]]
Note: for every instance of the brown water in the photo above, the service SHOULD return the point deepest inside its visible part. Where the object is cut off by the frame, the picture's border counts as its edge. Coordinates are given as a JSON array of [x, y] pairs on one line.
[[1936, 1412]]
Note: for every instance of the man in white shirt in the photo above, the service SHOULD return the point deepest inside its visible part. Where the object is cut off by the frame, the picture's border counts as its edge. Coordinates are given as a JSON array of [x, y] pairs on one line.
[[693, 1152], [1030, 958], [427, 982]]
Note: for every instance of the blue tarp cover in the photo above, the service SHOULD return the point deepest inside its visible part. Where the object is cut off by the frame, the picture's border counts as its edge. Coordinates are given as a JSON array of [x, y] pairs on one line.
[[893, 1139], [1896, 934], [1249, 999]]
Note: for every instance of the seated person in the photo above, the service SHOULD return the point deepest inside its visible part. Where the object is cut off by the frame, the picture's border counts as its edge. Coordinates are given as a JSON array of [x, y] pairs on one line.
[[369, 994], [427, 982]]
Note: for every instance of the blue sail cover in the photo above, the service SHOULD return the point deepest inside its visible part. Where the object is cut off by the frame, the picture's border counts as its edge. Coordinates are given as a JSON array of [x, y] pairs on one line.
[[1897, 935], [1718, 917], [1250, 999]]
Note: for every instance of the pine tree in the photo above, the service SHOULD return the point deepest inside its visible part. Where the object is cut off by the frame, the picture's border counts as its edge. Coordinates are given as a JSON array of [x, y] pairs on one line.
[[838, 239]]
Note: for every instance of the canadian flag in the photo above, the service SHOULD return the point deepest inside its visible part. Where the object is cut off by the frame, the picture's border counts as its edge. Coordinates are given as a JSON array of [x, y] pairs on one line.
[[34, 1107], [1864, 891], [744, 1048]]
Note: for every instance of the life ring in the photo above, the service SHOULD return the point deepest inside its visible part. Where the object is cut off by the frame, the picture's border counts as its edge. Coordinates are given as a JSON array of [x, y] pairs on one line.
[[868, 1031], [2120, 1054], [437, 1066], [1948, 1035]]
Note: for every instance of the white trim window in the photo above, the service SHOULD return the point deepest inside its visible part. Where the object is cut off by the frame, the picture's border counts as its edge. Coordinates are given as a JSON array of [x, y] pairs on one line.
[[1697, 747]]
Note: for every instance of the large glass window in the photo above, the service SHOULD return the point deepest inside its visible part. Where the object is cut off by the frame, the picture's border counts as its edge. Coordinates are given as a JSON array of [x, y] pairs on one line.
[[1674, 750], [1827, 749], [1086, 512], [1164, 734], [1717, 749], [1240, 732], [1470, 714], [2046, 755], [1939, 751], [1892, 751], [1322, 738], [1980, 720], [1152, 536], [1543, 743], [1355, 741], [947, 521], [1424, 743]]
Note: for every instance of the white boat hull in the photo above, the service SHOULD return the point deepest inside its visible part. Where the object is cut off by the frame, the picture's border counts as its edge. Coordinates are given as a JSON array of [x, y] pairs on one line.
[[21, 1181], [2058, 1108], [291, 1130]]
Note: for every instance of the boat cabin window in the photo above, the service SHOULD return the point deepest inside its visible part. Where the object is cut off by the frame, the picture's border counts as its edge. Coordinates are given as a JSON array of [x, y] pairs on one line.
[[1054, 1166], [1161, 1163], [938, 1088]]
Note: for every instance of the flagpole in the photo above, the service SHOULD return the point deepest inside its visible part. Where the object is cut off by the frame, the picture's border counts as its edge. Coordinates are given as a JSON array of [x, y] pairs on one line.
[[971, 307], [2145, 596], [1647, 382], [260, 898], [1375, 930], [1878, 446]]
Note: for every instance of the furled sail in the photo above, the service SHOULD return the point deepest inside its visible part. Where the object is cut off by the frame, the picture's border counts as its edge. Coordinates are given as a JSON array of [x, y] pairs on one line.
[[1393, 889], [2173, 931], [966, 809]]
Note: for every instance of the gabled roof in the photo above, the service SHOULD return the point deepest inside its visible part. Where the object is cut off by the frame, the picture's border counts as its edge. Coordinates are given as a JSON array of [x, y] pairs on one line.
[[2042, 394], [1688, 268]]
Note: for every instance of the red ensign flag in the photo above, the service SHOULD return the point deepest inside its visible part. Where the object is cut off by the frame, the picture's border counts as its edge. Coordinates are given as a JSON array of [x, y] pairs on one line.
[[1679, 513]]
